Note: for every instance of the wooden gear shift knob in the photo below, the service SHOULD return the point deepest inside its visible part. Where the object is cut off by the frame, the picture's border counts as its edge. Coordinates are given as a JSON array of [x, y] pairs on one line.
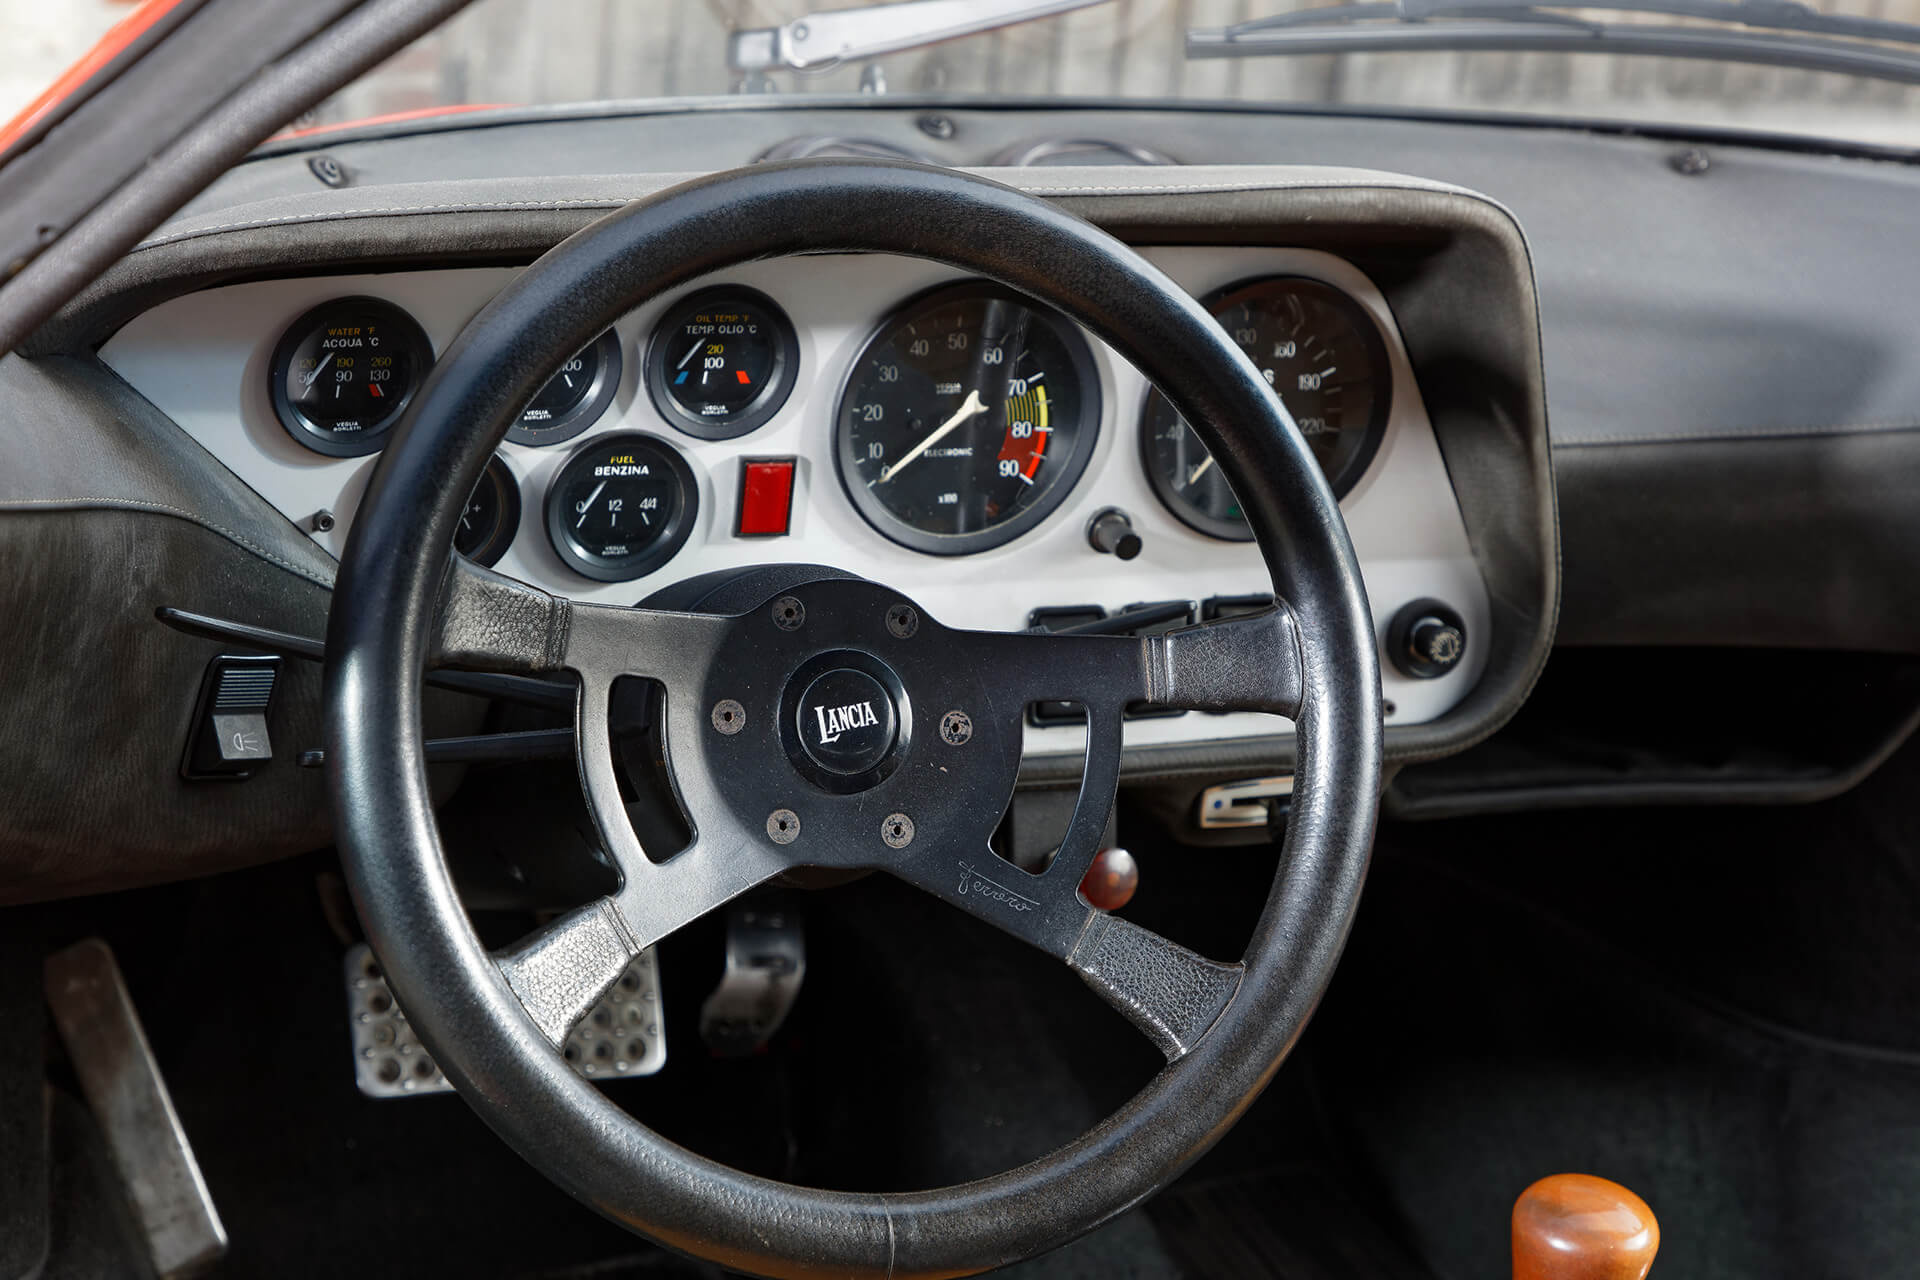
[[1575, 1227]]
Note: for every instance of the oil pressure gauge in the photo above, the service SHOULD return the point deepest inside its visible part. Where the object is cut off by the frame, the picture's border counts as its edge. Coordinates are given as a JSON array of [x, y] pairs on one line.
[[621, 506]]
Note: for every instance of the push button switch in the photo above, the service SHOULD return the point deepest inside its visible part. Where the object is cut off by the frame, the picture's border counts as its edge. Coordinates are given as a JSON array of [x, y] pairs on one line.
[[766, 498]]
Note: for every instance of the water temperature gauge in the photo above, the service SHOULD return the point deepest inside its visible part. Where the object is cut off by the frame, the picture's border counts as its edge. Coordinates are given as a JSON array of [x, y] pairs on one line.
[[621, 506], [344, 372]]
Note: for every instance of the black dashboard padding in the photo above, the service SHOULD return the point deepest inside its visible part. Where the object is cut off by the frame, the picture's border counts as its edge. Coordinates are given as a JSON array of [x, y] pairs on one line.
[[1789, 542], [381, 629], [108, 511]]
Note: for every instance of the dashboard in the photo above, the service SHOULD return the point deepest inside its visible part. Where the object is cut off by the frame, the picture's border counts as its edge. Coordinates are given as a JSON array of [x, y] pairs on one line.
[[881, 415]]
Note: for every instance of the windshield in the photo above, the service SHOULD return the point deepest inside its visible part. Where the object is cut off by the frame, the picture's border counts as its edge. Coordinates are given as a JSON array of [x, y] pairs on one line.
[[526, 52]]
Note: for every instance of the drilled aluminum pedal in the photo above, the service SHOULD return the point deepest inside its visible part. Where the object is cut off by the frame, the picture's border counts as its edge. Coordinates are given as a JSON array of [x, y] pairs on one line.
[[622, 1035]]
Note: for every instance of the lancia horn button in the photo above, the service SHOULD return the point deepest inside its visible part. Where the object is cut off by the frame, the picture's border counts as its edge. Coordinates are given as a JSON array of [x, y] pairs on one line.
[[846, 722]]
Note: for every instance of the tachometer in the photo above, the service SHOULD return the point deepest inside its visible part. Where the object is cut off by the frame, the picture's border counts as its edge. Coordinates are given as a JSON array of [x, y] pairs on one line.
[[344, 372], [1323, 354], [966, 419], [621, 506]]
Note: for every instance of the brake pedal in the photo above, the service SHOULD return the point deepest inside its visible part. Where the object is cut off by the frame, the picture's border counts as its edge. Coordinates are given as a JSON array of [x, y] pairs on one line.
[[766, 964], [622, 1035]]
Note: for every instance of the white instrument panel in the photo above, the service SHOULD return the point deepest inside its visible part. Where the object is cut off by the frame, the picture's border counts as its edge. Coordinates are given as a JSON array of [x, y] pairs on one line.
[[204, 359]]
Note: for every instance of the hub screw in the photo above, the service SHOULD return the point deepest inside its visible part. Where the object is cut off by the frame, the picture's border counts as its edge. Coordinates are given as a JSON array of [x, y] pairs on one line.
[[897, 830], [729, 717], [956, 727], [783, 826], [903, 620], [788, 613]]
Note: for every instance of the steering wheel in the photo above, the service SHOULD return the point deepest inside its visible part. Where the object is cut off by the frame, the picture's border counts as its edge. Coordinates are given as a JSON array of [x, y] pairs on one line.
[[921, 806]]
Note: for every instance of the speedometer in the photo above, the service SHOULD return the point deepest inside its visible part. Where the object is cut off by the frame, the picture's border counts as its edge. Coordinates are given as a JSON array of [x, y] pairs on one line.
[[1322, 353], [966, 419]]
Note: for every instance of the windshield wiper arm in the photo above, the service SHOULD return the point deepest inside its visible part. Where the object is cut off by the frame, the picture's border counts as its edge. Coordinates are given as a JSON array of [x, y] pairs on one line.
[[1832, 42], [821, 40]]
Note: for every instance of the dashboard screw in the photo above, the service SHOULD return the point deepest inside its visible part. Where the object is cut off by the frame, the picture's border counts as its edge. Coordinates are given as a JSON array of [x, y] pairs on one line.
[[788, 613], [941, 127], [903, 620], [897, 830], [329, 170], [783, 826], [729, 717], [956, 727], [322, 521], [1690, 162]]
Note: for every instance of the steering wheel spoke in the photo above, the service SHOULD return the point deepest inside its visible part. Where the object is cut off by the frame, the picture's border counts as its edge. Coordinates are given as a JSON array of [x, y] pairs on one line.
[[558, 972], [1172, 994], [490, 622]]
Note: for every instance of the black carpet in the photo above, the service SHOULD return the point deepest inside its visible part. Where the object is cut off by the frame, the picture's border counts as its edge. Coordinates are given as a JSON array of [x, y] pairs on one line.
[[1719, 1008]]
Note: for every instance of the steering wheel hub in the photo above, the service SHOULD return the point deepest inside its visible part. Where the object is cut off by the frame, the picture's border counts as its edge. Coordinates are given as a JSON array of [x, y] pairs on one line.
[[845, 726]]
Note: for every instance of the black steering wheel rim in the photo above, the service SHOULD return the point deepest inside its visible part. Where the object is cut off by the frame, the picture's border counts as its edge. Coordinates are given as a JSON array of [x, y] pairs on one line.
[[382, 632]]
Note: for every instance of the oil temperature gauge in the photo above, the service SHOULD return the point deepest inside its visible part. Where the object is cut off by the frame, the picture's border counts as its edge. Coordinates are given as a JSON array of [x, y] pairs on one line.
[[722, 362], [621, 506]]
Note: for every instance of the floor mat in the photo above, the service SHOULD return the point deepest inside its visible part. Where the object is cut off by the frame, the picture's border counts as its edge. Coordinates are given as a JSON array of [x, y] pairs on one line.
[[1578, 994]]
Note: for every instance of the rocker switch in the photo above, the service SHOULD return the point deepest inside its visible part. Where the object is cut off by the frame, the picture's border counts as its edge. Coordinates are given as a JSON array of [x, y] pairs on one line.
[[230, 723]]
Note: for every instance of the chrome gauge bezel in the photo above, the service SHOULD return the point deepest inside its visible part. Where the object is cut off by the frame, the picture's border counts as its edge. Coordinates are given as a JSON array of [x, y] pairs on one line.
[[1086, 433], [758, 411], [1355, 468], [324, 440], [608, 365]]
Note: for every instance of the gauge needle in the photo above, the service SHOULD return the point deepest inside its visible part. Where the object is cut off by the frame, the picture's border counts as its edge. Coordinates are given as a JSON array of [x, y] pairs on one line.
[[1194, 475], [587, 506], [317, 370], [969, 407]]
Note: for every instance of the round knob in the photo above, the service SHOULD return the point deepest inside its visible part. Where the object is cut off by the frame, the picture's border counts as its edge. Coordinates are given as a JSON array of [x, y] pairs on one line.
[[1426, 639], [1572, 1226], [1111, 531], [1111, 880]]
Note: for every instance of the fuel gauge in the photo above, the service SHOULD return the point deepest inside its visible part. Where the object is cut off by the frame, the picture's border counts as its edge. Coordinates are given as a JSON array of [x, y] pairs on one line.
[[722, 362], [621, 506]]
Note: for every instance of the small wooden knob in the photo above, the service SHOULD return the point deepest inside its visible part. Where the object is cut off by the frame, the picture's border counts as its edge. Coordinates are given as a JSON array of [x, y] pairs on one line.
[[1111, 880], [1575, 1227]]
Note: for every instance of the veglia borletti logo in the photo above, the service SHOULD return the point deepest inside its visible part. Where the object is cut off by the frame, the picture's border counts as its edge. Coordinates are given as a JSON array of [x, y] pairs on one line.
[[834, 721]]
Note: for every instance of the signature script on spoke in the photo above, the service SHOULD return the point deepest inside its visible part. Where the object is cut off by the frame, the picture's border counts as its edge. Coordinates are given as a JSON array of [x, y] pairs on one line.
[[971, 881]]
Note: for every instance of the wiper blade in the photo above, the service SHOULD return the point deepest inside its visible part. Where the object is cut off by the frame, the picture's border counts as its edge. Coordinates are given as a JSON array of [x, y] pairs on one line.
[[821, 40], [1833, 43]]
